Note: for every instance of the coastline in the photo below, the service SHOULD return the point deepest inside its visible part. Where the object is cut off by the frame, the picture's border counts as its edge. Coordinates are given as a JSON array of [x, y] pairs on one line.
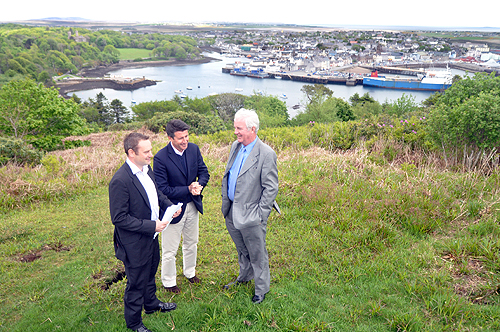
[[100, 71], [95, 75]]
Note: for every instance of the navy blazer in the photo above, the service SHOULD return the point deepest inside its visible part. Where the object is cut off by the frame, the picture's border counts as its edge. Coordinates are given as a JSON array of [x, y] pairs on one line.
[[131, 214], [172, 179]]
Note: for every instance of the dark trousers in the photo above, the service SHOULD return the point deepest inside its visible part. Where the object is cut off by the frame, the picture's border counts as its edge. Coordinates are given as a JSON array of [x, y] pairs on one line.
[[141, 290]]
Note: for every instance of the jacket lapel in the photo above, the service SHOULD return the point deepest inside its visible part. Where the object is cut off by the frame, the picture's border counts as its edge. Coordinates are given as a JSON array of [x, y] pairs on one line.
[[252, 158], [139, 186], [232, 156]]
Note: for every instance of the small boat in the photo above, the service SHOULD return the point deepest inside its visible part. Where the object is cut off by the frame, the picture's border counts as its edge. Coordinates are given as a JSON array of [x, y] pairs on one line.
[[283, 96], [189, 88], [238, 89], [133, 102], [182, 96], [178, 91]]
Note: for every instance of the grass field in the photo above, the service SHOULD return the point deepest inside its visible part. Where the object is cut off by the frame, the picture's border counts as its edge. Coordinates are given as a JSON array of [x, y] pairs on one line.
[[359, 246], [134, 53]]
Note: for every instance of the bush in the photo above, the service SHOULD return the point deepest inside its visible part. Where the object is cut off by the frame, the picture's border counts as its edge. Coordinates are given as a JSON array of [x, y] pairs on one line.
[[467, 115], [18, 152], [200, 124]]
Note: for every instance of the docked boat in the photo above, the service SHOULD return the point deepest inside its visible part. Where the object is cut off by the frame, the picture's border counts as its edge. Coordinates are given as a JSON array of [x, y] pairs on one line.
[[431, 81]]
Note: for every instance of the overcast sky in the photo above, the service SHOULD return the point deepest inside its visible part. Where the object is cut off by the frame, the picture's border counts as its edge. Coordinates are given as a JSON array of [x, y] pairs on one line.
[[431, 13]]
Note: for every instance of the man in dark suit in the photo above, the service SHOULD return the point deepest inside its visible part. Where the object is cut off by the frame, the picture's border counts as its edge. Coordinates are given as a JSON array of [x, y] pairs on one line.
[[136, 204], [181, 174], [249, 189]]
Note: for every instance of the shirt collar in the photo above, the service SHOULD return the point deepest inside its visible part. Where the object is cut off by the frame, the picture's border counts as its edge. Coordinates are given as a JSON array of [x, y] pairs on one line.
[[176, 151], [135, 169], [250, 146]]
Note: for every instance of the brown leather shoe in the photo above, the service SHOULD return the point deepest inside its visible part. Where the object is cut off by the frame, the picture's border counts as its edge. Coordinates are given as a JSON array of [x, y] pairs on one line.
[[173, 289], [194, 280]]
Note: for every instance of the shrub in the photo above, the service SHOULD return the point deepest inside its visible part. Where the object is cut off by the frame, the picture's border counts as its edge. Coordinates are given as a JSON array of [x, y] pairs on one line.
[[468, 114], [200, 123], [18, 152]]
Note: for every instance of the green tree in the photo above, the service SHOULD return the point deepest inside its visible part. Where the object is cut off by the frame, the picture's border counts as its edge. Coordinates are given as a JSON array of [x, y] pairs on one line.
[[227, 104], [147, 110], [272, 111], [117, 111], [467, 115], [401, 106], [316, 92], [32, 112]]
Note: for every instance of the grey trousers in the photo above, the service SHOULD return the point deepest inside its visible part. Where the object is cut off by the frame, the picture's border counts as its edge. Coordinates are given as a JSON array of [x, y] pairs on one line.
[[252, 253]]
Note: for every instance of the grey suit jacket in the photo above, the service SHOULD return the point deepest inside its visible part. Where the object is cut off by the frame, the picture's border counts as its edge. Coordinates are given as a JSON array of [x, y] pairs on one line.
[[256, 186]]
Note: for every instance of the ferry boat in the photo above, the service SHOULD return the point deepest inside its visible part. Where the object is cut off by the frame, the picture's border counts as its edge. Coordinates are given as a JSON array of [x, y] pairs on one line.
[[432, 81]]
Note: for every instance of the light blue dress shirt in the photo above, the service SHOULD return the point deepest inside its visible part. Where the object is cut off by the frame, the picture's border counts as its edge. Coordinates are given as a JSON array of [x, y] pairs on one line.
[[236, 167]]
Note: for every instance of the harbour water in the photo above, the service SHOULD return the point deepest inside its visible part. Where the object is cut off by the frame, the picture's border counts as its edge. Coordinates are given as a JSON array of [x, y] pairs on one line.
[[206, 79]]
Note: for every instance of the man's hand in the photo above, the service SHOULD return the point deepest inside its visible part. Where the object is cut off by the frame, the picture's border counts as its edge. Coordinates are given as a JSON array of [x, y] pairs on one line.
[[195, 188], [160, 225], [177, 213]]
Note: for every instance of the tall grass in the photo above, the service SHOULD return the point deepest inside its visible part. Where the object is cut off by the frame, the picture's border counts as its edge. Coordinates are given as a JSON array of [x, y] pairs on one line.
[[364, 243]]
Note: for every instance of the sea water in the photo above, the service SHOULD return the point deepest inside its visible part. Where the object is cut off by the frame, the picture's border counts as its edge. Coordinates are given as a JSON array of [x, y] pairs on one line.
[[208, 78]]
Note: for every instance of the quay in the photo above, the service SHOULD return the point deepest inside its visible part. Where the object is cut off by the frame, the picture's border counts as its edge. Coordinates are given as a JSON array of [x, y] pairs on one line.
[[345, 77], [318, 79]]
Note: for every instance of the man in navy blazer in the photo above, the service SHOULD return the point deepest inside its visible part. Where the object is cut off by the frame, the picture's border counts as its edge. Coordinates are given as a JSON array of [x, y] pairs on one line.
[[135, 205], [181, 174]]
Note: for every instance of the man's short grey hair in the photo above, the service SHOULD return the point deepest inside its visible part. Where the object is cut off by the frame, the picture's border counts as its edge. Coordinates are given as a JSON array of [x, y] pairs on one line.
[[250, 116]]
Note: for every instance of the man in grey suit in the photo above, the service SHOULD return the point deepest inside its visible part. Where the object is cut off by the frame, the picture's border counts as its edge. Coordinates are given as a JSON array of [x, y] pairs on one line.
[[249, 188]]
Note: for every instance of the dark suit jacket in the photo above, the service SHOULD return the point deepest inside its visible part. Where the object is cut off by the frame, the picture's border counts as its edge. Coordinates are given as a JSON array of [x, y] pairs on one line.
[[131, 215], [172, 179]]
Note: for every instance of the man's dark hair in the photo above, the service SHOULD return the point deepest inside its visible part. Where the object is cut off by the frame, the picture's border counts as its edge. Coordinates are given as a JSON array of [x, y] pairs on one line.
[[131, 141], [176, 125]]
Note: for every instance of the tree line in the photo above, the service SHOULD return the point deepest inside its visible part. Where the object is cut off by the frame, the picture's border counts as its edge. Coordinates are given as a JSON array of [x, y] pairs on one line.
[[43, 52]]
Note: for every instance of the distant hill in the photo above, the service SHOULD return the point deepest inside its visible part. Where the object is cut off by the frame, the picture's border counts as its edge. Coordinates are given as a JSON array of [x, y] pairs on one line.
[[62, 19]]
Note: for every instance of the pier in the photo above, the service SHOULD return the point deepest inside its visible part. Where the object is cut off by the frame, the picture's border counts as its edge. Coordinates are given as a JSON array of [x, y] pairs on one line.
[[299, 76], [82, 83]]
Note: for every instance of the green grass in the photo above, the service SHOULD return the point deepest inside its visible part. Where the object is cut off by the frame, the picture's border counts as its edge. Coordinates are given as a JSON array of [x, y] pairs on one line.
[[358, 247], [134, 53]]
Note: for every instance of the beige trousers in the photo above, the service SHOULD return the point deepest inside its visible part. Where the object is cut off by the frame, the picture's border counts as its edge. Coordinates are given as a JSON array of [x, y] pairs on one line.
[[187, 227]]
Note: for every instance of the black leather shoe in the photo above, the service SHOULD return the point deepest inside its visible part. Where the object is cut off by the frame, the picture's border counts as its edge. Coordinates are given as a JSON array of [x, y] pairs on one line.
[[258, 298], [235, 283], [142, 328], [163, 307]]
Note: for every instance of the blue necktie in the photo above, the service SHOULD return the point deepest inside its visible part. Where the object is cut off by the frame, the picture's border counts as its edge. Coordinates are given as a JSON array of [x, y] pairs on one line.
[[232, 178]]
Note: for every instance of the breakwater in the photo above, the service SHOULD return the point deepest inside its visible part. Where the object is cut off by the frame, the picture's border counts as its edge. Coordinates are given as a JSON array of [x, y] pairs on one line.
[[79, 84]]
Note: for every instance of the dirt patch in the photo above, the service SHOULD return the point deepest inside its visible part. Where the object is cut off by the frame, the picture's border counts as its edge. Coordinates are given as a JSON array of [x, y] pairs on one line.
[[32, 256], [473, 285], [108, 278]]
